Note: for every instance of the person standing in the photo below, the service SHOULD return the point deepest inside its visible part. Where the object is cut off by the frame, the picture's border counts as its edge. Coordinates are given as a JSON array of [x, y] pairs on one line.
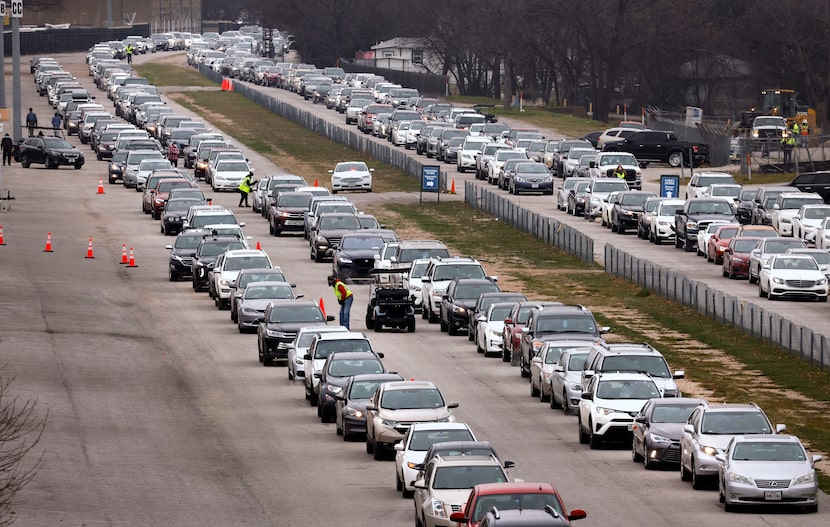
[[787, 146], [173, 154], [31, 122], [245, 189], [56, 124], [344, 298], [129, 52], [619, 172], [7, 145]]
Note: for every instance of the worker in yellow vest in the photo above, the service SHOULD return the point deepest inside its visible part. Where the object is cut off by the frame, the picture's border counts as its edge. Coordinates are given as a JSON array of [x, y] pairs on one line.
[[344, 298], [245, 189]]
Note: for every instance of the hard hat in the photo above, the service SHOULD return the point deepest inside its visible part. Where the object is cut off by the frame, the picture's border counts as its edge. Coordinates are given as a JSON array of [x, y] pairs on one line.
[[804, 121]]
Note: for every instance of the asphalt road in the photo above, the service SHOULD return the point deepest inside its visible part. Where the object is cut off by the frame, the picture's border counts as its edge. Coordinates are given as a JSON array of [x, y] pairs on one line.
[[160, 414]]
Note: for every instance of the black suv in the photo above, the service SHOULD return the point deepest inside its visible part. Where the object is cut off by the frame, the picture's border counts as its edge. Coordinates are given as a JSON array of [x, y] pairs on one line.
[[461, 296], [628, 209], [556, 322], [279, 326], [182, 253], [206, 254], [50, 151]]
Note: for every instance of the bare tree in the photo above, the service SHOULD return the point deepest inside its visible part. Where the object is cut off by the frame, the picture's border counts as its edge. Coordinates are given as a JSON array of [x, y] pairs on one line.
[[20, 431]]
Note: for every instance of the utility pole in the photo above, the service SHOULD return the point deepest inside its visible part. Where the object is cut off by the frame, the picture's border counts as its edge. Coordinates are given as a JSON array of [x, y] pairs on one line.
[[17, 14]]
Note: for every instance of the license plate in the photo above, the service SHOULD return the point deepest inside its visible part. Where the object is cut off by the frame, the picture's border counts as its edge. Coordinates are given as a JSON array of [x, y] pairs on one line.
[[772, 495], [534, 185], [293, 222], [630, 427]]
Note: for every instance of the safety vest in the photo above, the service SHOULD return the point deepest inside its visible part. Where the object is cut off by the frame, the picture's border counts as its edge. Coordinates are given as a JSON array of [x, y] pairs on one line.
[[341, 291], [244, 186], [129, 50], [795, 129], [619, 174], [788, 141], [805, 129]]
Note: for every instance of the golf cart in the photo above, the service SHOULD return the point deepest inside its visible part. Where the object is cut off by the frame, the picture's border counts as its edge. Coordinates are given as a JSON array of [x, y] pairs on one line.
[[390, 304], [488, 111]]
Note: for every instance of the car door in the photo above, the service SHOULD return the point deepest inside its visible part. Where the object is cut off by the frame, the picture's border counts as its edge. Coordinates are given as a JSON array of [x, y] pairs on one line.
[[215, 271], [37, 152], [371, 415], [560, 371], [688, 441], [641, 424], [422, 495]]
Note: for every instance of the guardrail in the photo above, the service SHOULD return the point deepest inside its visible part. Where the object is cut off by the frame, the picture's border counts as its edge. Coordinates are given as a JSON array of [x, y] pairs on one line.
[[751, 318], [542, 227]]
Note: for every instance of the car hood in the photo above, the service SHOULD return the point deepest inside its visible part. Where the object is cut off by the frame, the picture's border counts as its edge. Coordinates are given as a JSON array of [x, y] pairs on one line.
[[465, 302], [256, 303], [451, 496], [74, 151], [712, 217], [293, 326], [670, 430], [719, 441], [183, 252], [334, 232], [415, 415], [797, 274], [629, 406], [356, 173], [289, 209], [777, 470], [497, 326], [359, 253]]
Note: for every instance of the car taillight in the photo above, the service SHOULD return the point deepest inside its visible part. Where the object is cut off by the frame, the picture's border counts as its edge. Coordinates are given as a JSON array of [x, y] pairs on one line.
[[695, 148]]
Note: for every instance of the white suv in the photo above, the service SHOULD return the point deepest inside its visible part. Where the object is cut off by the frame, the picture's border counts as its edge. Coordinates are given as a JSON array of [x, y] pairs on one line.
[[440, 272], [227, 269], [608, 406], [323, 345]]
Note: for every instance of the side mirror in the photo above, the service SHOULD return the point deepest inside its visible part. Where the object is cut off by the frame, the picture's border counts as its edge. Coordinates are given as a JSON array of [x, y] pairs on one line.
[[307, 356], [458, 517], [398, 446], [329, 318], [509, 464], [640, 419], [680, 374], [168, 247], [371, 407], [780, 428], [588, 396], [419, 484], [604, 329], [577, 514], [688, 429], [721, 458], [452, 405]]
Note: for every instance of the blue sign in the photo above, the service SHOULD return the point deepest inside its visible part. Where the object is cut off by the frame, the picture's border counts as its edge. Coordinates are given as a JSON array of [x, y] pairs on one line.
[[431, 179], [669, 186]]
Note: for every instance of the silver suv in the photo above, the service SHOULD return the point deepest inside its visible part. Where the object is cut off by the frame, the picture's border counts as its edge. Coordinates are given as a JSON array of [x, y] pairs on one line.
[[439, 273], [634, 358]]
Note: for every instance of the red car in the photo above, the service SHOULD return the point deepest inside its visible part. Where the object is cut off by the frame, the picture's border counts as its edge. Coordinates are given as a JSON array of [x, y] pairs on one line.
[[718, 242], [512, 332], [162, 192], [736, 257], [511, 496]]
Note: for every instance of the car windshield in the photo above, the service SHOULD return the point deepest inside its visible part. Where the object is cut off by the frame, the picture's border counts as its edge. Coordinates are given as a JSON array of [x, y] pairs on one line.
[[238, 263], [565, 324], [181, 205], [768, 451], [769, 121], [710, 207], [119, 157], [347, 368], [294, 201], [577, 361], [610, 186], [582, 186], [532, 168], [291, 313], [726, 232], [796, 203], [730, 192], [666, 413], [215, 249], [411, 398], [749, 195], [136, 158], [418, 270], [781, 246], [554, 351], [744, 246], [421, 440], [360, 242], [705, 181], [467, 477], [153, 164], [351, 167], [274, 292], [50, 142], [167, 186], [735, 423], [627, 389], [515, 501], [187, 242], [504, 156], [450, 271], [233, 166], [363, 389], [801, 264], [653, 365], [816, 213], [325, 348], [474, 291], [499, 313], [208, 219], [821, 257], [633, 200], [339, 223], [368, 222], [246, 278], [408, 255]]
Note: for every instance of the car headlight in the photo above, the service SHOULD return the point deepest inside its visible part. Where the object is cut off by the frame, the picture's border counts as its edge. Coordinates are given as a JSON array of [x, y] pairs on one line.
[[415, 288], [353, 412], [249, 311], [223, 281], [738, 260], [458, 310], [806, 478], [658, 438], [520, 179], [546, 376], [605, 411], [344, 260], [448, 419], [821, 281], [176, 258], [438, 293], [535, 346], [785, 220], [159, 201], [691, 225], [299, 361], [334, 389], [737, 478], [389, 423], [778, 280], [275, 333], [438, 509], [576, 387], [709, 450], [663, 223], [628, 213], [495, 334], [595, 202]]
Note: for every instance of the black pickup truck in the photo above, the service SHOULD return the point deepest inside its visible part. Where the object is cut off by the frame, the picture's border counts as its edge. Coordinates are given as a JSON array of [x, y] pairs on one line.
[[696, 215], [662, 147]]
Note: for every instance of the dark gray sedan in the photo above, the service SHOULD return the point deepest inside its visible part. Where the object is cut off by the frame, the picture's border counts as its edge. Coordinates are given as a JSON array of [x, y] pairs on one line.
[[657, 430], [255, 299]]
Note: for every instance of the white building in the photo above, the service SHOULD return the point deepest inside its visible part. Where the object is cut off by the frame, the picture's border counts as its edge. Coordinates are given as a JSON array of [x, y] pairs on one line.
[[406, 54]]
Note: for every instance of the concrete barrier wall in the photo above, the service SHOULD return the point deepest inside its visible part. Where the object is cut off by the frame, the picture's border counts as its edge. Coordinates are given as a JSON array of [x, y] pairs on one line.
[[747, 316]]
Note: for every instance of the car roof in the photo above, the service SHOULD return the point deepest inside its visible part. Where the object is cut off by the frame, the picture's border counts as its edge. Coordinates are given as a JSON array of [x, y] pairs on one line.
[[678, 401], [405, 385], [439, 426], [732, 407], [477, 459], [624, 376], [383, 377], [336, 335], [769, 438], [352, 355], [511, 487]]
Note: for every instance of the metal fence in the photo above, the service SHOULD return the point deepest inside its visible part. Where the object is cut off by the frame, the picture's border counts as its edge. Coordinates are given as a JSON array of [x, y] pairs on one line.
[[542, 227], [811, 153], [425, 83], [717, 136], [801, 341], [52, 41]]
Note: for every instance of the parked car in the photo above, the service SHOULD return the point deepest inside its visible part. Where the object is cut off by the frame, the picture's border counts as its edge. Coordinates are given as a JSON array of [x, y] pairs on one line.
[[718, 241], [351, 175], [565, 382], [301, 344], [410, 451], [514, 496], [657, 427], [247, 276], [760, 255], [255, 299], [336, 371], [626, 211], [490, 328], [282, 320], [461, 296], [696, 214], [792, 276], [736, 256], [350, 404], [52, 152], [543, 364]]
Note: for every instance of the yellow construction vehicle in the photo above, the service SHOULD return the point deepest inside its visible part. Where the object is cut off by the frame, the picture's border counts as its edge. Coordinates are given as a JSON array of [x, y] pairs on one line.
[[784, 102]]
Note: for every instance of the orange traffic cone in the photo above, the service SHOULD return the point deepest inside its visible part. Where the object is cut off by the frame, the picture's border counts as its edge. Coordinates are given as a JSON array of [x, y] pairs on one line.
[[124, 260], [48, 248], [89, 253], [258, 246], [100, 185], [1, 236], [322, 306], [224, 84], [452, 186], [316, 183], [132, 259]]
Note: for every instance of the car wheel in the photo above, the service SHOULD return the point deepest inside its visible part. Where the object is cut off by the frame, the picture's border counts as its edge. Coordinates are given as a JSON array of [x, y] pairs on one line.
[[370, 447], [24, 161], [444, 326], [583, 437], [377, 453], [398, 483], [752, 279], [698, 252], [534, 392], [554, 404], [761, 292], [613, 226], [290, 373], [470, 335], [698, 482], [726, 273], [172, 275], [688, 246], [543, 397], [620, 229], [452, 330], [594, 441], [77, 167], [635, 456], [432, 317], [410, 325], [685, 475], [678, 243], [505, 355], [675, 159]]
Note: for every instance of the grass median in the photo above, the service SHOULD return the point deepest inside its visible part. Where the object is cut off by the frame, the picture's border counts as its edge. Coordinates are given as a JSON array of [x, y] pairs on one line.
[[722, 363]]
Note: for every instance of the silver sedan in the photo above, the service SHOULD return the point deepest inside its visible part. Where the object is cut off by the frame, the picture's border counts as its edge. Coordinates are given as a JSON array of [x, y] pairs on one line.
[[255, 300]]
